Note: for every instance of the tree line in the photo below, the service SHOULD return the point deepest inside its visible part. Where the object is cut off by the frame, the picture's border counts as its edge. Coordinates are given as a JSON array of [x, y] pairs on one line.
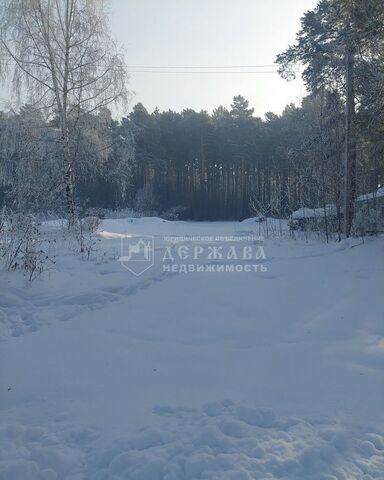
[[227, 165]]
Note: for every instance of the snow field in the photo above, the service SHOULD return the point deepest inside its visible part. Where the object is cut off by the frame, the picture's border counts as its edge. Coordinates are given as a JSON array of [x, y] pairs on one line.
[[275, 375]]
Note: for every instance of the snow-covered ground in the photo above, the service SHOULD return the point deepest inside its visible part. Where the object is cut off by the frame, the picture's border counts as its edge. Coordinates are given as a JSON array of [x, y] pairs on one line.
[[273, 374]]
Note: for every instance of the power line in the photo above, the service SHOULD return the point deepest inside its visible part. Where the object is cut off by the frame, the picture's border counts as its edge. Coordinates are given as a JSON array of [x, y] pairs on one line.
[[188, 72], [271, 65], [197, 70], [177, 67], [206, 69], [257, 65]]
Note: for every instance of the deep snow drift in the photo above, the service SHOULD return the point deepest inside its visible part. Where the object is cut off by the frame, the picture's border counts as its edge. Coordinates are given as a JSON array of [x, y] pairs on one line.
[[217, 376]]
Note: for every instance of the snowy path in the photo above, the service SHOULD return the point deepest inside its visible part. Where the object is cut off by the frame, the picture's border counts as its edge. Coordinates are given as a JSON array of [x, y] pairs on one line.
[[201, 376]]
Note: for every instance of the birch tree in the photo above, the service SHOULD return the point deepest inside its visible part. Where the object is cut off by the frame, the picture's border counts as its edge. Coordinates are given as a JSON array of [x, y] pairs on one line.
[[59, 56]]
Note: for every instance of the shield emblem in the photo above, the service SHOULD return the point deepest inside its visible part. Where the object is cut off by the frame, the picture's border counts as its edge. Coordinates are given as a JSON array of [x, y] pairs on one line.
[[137, 253]]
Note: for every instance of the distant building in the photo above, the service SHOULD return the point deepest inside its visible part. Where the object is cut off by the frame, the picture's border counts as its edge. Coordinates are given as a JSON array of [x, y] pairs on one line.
[[314, 218], [369, 215]]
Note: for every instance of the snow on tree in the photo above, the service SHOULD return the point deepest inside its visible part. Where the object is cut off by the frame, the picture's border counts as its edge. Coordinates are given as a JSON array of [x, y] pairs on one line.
[[60, 57]]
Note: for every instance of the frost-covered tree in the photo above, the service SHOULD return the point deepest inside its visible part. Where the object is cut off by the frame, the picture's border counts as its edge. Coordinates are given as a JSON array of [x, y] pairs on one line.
[[336, 42], [60, 57], [29, 171]]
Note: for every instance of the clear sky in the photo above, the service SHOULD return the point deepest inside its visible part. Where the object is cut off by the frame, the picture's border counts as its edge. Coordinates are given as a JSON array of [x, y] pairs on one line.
[[208, 33]]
